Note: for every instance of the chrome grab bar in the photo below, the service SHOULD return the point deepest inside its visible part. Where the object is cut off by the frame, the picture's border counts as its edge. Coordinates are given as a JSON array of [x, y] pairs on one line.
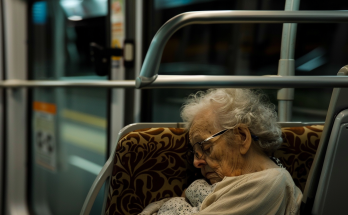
[[84, 83], [197, 82], [153, 57], [266, 82]]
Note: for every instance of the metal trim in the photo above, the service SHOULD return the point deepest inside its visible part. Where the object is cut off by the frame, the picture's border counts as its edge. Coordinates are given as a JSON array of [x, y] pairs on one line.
[[2, 121], [15, 35], [299, 124]]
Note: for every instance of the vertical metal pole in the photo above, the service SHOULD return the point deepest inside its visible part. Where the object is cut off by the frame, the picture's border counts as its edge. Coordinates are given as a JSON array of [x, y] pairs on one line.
[[286, 65], [1, 114], [138, 55], [117, 69], [15, 31]]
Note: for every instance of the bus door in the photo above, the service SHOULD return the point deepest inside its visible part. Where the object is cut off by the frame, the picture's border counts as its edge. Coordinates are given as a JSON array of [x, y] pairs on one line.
[[63, 135]]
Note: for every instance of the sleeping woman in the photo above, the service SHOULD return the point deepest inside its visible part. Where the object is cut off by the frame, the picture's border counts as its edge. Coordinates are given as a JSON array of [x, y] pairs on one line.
[[232, 132]]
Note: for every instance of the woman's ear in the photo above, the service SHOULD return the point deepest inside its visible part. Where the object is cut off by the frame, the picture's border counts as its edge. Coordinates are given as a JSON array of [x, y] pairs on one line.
[[245, 139]]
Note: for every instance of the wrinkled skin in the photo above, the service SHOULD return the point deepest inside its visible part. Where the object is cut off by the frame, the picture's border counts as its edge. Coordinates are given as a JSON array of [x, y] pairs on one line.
[[231, 154]]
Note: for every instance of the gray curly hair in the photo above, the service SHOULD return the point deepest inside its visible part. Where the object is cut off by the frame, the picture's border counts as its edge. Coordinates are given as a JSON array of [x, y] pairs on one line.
[[235, 107]]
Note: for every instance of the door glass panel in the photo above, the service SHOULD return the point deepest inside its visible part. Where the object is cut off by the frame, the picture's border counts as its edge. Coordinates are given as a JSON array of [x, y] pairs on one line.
[[69, 125]]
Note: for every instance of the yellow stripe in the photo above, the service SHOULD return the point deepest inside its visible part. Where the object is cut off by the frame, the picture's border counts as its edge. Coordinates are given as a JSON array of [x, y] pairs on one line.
[[84, 118], [84, 137]]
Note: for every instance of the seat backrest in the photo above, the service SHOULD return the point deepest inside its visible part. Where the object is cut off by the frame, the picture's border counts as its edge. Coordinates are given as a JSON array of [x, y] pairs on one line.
[[298, 151], [151, 164]]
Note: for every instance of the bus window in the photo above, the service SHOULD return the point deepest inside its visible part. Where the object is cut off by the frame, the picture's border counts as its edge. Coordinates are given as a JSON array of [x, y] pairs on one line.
[[244, 49], [68, 125]]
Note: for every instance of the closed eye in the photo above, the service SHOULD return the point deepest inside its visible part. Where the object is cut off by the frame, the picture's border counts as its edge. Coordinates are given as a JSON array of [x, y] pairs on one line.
[[207, 147]]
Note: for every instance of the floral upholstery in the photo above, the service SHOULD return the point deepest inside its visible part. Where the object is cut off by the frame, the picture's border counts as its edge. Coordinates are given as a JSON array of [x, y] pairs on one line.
[[298, 150], [151, 164]]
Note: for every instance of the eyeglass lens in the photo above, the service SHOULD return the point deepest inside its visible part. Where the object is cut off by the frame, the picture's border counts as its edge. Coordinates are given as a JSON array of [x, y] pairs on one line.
[[197, 149]]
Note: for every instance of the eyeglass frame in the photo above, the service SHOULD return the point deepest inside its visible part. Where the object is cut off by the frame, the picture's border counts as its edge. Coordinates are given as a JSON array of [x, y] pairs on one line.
[[201, 143], [254, 137]]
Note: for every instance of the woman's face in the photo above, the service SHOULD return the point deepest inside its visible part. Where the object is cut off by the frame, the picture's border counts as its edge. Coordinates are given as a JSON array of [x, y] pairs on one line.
[[222, 155]]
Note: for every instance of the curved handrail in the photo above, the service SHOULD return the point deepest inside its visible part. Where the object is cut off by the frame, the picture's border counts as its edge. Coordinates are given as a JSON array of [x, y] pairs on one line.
[[153, 57]]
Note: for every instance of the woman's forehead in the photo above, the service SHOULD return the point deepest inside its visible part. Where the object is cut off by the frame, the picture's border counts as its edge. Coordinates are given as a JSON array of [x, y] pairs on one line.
[[195, 131], [201, 128]]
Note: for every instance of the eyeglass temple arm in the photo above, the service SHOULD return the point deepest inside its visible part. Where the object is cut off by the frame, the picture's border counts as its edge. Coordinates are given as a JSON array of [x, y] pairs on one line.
[[215, 135]]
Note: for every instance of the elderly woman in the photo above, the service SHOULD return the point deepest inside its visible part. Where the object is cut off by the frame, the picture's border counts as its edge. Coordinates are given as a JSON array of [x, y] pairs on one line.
[[232, 133]]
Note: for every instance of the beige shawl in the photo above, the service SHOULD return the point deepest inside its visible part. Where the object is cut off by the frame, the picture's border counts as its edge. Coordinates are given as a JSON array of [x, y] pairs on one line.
[[270, 191]]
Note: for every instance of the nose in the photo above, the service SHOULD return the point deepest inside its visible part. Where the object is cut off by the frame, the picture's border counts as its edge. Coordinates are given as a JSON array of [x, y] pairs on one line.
[[199, 162]]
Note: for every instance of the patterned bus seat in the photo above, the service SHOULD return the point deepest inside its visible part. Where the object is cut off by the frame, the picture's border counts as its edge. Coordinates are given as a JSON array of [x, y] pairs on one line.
[[151, 164]]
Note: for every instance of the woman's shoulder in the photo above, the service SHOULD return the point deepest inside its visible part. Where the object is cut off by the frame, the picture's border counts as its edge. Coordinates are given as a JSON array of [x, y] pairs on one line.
[[272, 173], [262, 175], [268, 190], [277, 175], [274, 178]]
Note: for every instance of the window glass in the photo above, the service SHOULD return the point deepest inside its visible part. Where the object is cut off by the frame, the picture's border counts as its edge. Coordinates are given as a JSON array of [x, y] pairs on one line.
[[245, 49], [69, 125]]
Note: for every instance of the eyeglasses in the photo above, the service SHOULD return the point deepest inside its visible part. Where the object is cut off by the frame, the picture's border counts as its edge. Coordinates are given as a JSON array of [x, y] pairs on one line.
[[198, 151]]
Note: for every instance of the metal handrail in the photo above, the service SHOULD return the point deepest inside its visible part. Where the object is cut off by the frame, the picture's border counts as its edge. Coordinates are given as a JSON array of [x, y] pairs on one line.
[[84, 83], [153, 57], [205, 82], [196, 82]]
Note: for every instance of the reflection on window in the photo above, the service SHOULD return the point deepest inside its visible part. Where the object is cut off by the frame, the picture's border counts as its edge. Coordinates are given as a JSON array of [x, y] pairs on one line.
[[39, 13], [162, 4], [84, 9]]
